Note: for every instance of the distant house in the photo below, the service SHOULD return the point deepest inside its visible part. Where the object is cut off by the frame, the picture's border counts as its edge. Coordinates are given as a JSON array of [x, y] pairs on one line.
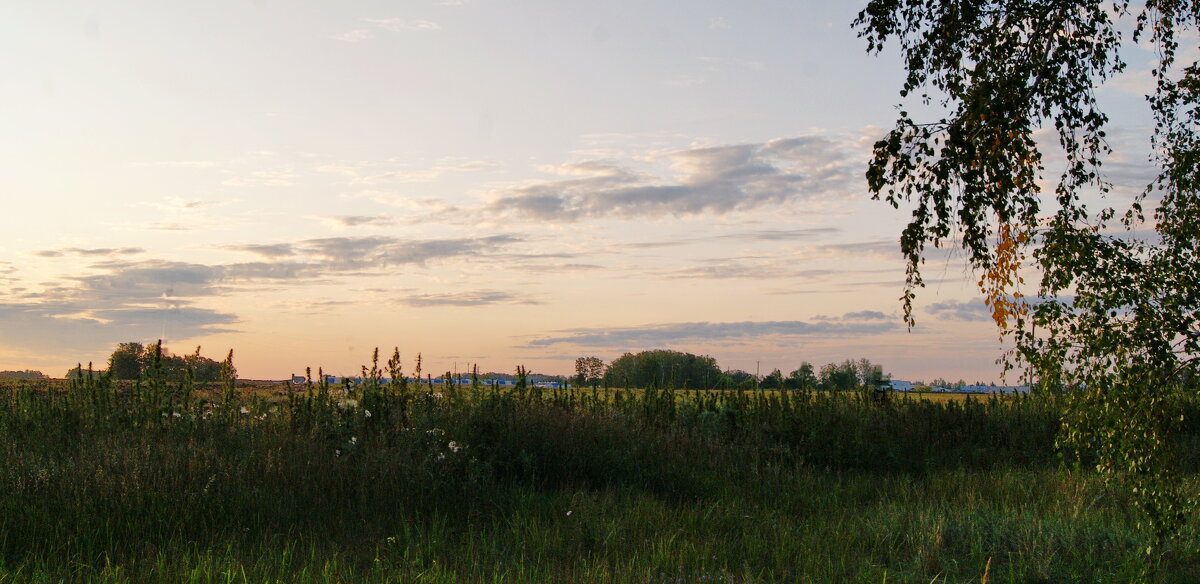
[[299, 379], [898, 385]]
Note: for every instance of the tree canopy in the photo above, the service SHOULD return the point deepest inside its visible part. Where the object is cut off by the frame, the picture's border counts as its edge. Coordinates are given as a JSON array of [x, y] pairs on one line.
[[132, 360], [663, 368], [1114, 317]]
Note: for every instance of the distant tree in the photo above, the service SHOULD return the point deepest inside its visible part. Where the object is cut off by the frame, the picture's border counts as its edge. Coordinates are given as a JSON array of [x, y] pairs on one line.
[[588, 370], [839, 376], [773, 380], [663, 368], [802, 378], [126, 361], [132, 360], [203, 369], [735, 379]]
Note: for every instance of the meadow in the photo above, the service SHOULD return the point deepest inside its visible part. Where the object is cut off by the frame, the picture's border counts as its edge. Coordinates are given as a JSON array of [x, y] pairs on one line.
[[155, 481]]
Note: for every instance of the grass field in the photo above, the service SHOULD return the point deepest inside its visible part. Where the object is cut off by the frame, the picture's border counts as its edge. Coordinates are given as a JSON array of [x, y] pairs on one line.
[[161, 482]]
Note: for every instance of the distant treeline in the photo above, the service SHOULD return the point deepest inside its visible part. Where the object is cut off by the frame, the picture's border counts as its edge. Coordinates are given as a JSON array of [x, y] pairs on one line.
[[26, 374], [133, 360], [678, 370]]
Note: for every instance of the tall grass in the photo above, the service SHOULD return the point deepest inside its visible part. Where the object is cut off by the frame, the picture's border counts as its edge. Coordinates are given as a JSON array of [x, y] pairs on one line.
[[390, 481]]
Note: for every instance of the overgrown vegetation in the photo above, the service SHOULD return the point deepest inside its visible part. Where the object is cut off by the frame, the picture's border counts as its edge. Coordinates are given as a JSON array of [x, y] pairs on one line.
[[394, 481]]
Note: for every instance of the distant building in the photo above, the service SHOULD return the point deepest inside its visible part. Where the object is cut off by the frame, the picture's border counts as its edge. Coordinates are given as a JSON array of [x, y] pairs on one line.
[[898, 385], [1011, 389]]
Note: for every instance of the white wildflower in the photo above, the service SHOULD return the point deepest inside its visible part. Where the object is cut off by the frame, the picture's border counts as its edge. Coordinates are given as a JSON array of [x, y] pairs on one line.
[[435, 432], [453, 446], [353, 440], [366, 413], [243, 410]]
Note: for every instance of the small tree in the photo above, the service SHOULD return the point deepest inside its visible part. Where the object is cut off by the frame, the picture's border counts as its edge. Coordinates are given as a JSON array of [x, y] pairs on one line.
[[126, 361], [1116, 325], [803, 378]]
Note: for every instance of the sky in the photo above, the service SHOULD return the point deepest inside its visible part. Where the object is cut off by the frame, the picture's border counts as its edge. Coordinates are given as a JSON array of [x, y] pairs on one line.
[[480, 181]]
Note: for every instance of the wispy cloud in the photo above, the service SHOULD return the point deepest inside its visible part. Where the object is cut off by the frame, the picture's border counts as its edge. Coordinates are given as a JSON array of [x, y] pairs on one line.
[[557, 268], [714, 180], [347, 221], [183, 163], [402, 24], [271, 178], [374, 173], [467, 298], [746, 269], [270, 250], [961, 310], [169, 226], [659, 335], [60, 325], [118, 299], [91, 252], [356, 35], [717, 64], [119, 283]]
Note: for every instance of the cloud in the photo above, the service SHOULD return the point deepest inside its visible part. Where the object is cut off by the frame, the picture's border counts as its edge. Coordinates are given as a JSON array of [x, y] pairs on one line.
[[353, 36], [59, 326], [717, 22], [715, 180], [782, 234], [768, 235], [272, 178], [131, 282], [752, 269], [271, 250], [347, 221], [168, 226], [470, 298], [93, 252], [740, 270], [574, 267], [404, 176], [346, 253], [123, 282], [658, 335], [865, 315], [400, 24], [976, 310], [716, 64], [961, 310], [185, 163], [121, 299]]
